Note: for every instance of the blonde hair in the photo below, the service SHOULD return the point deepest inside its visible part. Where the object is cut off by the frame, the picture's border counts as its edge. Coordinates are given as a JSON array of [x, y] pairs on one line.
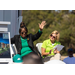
[[57, 35]]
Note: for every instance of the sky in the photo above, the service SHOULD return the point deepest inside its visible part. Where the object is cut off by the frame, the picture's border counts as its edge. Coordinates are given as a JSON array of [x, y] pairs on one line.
[[69, 10]]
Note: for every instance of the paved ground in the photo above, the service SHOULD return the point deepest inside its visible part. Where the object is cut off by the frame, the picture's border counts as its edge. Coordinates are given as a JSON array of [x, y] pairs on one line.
[[63, 57]]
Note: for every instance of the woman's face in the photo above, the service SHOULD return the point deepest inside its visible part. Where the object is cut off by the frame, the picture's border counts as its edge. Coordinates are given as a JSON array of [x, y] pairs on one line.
[[53, 37], [23, 33]]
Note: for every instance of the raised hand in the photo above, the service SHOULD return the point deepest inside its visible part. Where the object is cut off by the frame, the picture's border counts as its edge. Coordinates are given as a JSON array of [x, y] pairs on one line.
[[41, 26]]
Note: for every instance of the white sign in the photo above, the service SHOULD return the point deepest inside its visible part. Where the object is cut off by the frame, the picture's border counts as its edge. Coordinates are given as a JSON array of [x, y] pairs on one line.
[[59, 47]]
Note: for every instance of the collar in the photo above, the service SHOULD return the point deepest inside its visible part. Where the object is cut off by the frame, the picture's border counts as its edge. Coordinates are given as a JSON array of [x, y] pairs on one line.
[[51, 43], [22, 38]]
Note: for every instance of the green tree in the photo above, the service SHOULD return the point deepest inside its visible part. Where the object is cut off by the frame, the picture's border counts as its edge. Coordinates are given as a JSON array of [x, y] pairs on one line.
[[60, 20]]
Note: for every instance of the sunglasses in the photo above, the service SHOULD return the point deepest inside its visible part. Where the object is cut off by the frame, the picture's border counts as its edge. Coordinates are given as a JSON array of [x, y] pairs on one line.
[[52, 36], [23, 32]]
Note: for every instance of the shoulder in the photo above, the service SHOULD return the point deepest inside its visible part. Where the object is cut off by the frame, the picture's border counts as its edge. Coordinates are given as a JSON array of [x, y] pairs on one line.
[[29, 34], [16, 36], [66, 58], [46, 40], [57, 42], [74, 58]]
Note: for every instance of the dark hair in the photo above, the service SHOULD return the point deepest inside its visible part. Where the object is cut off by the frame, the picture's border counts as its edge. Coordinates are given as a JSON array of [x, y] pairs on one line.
[[22, 24], [23, 27]]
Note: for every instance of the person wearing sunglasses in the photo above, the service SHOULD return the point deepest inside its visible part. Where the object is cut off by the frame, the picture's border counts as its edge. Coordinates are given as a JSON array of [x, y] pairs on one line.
[[24, 44], [48, 53]]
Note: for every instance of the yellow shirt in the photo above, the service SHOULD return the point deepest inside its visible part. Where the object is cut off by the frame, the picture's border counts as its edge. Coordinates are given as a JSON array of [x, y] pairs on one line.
[[48, 46]]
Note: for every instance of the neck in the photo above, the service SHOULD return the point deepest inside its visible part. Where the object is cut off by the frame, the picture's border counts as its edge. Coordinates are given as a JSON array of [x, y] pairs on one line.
[[23, 37], [71, 56], [52, 41]]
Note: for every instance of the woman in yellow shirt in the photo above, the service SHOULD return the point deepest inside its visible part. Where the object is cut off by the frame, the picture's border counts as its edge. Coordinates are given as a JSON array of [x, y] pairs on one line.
[[48, 52]]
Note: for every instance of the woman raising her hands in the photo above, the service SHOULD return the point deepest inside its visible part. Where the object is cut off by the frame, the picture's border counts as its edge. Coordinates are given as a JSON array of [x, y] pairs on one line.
[[24, 44]]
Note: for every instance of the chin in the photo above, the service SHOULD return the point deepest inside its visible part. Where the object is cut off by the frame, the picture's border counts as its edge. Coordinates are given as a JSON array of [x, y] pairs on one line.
[[24, 36], [52, 40]]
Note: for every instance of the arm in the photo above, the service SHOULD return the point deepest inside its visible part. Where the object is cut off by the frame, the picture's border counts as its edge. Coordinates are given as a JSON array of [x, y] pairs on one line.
[[43, 48], [38, 34], [43, 52]]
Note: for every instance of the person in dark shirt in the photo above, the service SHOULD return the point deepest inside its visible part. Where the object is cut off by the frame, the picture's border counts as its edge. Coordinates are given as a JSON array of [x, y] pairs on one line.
[[24, 44]]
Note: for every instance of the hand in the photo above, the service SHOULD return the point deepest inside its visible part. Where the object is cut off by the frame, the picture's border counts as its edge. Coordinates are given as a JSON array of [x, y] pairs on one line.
[[56, 51], [41, 26]]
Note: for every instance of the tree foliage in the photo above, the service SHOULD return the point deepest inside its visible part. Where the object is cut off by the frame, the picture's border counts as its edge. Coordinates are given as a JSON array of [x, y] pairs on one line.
[[61, 20]]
